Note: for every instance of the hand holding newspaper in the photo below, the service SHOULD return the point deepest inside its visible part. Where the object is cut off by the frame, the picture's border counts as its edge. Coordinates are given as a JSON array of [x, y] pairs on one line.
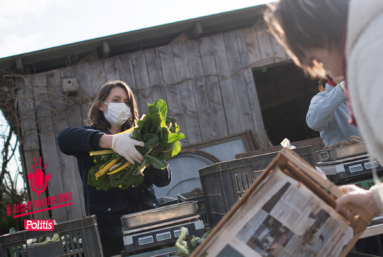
[[281, 217]]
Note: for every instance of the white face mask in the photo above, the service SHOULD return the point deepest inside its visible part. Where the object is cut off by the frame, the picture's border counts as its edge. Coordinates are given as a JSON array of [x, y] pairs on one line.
[[117, 114]]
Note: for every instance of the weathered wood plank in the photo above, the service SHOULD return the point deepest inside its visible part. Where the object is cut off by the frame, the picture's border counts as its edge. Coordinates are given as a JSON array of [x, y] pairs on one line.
[[278, 51], [252, 45], [155, 75], [213, 90], [186, 93], [264, 44], [141, 78], [126, 71], [238, 80], [26, 110], [111, 69], [73, 108], [86, 93], [225, 81], [48, 142], [199, 88], [71, 177], [172, 93], [251, 88], [30, 143], [97, 74]]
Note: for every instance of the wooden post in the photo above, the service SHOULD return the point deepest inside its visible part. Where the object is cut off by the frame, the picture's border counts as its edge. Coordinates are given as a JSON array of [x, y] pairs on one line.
[[105, 49], [19, 65]]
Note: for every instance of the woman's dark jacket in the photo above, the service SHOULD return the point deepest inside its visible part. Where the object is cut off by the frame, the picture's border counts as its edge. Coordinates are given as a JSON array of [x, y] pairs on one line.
[[109, 206]]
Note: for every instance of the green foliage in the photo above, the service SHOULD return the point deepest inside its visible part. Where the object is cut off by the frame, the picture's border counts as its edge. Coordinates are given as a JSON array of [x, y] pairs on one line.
[[160, 134]]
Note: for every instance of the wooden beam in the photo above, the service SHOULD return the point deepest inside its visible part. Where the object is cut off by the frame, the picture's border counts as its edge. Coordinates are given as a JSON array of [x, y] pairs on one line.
[[183, 37], [197, 30], [91, 57], [19, 65], [105, 49]]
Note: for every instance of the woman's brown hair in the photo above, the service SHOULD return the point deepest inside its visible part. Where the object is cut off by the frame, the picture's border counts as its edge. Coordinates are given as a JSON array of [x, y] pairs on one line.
[[301, 25], [96, 117]]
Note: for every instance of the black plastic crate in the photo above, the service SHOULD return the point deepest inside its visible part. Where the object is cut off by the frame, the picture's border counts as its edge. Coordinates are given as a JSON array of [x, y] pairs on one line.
[[224, 183], [200, 202], [83, 231], [165, 201]]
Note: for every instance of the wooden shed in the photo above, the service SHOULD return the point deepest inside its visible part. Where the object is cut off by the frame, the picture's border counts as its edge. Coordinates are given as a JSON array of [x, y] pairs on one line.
[[220, 75]]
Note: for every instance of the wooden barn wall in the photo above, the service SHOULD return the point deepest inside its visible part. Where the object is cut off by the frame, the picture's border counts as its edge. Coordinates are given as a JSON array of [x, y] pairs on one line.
[[207, 83]]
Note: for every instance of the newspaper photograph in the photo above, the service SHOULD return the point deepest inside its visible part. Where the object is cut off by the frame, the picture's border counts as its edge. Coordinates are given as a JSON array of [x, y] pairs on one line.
[[284, 218]]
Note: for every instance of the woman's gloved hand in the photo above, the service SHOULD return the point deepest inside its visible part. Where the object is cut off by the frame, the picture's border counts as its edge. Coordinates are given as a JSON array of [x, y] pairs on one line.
[[124, 145]]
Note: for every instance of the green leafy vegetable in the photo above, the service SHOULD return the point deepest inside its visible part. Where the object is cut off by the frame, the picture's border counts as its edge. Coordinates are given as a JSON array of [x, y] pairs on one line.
[[160, 134]]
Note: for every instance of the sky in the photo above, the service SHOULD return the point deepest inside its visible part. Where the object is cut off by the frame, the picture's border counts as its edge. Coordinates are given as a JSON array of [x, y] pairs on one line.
[[27, 26]]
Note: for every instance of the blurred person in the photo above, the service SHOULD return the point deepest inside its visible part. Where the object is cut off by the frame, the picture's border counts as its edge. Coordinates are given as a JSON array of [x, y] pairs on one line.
[[344, 38], [328, 113]]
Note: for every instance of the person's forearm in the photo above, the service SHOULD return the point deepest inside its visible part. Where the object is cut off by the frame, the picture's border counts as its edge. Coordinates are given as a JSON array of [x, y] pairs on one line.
[[74, 141], [106, 141]]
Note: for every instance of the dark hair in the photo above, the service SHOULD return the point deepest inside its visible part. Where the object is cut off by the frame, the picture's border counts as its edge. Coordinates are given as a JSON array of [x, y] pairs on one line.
[[322, 84], [301, 25], [96, 117]]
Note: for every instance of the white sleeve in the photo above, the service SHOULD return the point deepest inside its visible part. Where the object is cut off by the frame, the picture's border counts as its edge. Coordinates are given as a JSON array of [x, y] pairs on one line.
[[365, 78]]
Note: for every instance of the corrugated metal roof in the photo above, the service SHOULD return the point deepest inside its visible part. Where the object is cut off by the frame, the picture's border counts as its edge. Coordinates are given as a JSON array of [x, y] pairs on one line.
[[57, 57]]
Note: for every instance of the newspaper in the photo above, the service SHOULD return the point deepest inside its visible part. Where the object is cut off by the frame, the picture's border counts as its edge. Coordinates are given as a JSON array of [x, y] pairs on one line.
[[282, 218]]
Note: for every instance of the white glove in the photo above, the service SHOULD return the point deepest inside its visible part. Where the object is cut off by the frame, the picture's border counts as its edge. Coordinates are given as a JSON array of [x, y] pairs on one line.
[[342, 86], [124, 145]]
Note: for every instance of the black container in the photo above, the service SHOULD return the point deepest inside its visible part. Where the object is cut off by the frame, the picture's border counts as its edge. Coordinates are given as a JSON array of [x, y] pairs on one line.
[[224, 183], [84, 230]]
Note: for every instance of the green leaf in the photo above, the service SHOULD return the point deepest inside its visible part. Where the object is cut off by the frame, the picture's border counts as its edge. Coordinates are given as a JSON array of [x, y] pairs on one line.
[[176, 148], [150, 140], [157, 116], [171, 119], [137, 134], [164, 136], [162, 107], [155, 162], [168, 152], [92, 180], [174, 137], [175, 128]]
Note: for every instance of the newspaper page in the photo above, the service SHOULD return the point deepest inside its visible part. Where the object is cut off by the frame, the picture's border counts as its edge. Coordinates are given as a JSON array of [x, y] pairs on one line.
[[283, 218]]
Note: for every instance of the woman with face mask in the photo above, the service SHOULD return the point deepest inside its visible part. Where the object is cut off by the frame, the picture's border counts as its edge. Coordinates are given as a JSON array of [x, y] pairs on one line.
[[113, 110]]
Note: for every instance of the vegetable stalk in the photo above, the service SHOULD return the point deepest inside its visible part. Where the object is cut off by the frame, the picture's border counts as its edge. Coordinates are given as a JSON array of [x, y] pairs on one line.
[[179, 244], [119, 169], [106, 168], [102, 152]]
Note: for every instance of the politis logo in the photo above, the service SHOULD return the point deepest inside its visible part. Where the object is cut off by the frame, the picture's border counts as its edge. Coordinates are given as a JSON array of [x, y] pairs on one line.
[[37, 179], [39, 225], [38, 183]]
